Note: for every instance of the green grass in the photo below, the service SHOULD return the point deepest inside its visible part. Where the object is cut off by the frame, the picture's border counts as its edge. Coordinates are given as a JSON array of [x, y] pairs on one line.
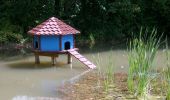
[[107, 74], [167, 71], [142, 51]]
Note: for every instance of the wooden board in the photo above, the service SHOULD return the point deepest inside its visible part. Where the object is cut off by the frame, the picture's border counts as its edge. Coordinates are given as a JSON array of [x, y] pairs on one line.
[[82, 59]]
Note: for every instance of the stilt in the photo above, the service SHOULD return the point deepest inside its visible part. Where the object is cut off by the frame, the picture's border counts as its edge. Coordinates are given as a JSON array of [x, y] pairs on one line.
[[53, 59], [37, 59], [69, 59]]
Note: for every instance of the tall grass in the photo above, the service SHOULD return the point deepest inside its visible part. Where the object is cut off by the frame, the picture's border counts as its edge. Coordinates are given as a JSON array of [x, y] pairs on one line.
[[107, 74], [99, 70], [167, 71], [142, 51], [92, 40]]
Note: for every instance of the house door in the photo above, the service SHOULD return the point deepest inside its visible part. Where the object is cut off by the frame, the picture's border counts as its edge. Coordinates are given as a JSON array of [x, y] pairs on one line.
[[67, 45]]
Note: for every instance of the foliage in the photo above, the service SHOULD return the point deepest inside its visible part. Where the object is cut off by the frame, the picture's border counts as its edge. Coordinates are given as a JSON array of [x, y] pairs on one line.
[[9, 36], [92, 40], [106, 19], [167, 71], [107, 74], [142, 52]]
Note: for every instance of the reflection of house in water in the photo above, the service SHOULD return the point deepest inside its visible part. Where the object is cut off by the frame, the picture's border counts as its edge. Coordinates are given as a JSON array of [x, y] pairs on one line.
[[54, 37]]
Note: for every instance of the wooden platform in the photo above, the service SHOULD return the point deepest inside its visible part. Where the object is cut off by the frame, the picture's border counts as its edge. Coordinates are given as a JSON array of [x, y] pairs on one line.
[[52, 54]]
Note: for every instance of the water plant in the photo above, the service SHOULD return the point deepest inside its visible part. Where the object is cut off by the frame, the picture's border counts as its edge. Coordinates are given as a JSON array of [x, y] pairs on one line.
[[167, 71], [99, 72], [142, 51], [107, 75], [92, 40]]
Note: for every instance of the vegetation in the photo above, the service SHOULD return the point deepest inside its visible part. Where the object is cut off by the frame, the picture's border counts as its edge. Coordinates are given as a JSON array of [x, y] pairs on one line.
[[107, 75], [100, 20], [142, 50], [167, 71], [105, 19]]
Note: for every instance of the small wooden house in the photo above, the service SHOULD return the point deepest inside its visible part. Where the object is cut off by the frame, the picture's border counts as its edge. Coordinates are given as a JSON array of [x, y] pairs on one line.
[[54, 37]]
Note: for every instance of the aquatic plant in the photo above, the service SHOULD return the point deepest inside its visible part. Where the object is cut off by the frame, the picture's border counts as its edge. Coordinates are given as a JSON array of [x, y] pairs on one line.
[[167, 71], [99, 72], [142, 51], [107, 75], [92, 40]]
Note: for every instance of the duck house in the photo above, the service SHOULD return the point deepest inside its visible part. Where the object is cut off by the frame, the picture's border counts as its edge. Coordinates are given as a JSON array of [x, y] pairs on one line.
[[54, 37]]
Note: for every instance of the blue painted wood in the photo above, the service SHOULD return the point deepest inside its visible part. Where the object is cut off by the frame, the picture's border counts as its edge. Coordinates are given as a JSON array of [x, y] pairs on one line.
[[67, 38], [49, 43]]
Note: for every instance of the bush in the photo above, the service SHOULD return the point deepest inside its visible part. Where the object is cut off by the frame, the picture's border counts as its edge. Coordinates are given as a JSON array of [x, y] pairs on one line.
[[6, 37]]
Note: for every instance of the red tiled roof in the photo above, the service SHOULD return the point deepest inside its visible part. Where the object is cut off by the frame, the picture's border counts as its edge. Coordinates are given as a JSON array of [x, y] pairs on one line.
[[53, 26]]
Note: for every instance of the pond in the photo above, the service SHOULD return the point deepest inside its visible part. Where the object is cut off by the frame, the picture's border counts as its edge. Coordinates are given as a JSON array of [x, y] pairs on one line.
[[20, 76]]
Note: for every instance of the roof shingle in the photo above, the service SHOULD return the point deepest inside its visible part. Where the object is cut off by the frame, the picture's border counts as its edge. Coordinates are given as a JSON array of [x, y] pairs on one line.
[[53, 26]]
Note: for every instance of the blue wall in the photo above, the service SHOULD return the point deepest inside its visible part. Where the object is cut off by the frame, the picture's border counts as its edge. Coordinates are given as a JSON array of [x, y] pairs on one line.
[[67, 38], [50, 43]]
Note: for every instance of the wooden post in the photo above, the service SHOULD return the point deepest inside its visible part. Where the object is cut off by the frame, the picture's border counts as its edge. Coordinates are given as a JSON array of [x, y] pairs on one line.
[[37, 59], [69, 59], [53, 59]]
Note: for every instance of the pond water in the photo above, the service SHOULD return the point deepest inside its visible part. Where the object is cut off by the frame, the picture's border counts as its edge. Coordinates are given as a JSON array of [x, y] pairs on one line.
[[20, 76]]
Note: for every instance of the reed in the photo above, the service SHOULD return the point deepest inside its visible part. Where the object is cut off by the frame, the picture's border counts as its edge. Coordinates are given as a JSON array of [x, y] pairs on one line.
[[142, 51], [99, 70], [167, 71], [107, 75], [167, 84]]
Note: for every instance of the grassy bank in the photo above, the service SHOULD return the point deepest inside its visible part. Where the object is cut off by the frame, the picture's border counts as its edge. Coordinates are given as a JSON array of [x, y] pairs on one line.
[[142, 82]]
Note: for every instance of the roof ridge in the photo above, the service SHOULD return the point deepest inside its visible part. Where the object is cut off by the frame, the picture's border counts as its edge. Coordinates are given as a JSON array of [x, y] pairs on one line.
[[53, 26]]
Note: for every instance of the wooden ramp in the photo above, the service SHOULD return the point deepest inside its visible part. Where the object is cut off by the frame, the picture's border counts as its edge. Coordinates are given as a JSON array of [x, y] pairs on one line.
[[81, 58]]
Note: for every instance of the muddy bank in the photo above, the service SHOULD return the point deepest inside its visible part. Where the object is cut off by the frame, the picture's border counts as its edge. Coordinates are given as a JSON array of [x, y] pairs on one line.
[[91, 87]]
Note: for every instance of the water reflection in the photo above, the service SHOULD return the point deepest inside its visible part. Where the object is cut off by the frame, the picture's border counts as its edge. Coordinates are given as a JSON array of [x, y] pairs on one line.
[[32, 65]]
